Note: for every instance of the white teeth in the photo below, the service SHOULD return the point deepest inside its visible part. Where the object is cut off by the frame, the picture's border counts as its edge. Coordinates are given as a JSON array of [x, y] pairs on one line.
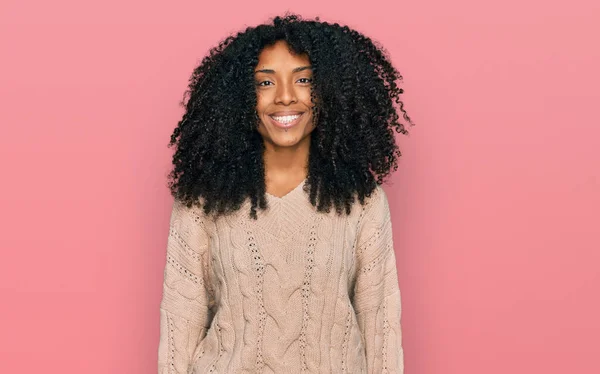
[[286, 119]]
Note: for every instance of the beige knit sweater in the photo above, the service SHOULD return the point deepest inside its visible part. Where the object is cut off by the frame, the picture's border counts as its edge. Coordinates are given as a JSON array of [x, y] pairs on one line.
[[296, 291]]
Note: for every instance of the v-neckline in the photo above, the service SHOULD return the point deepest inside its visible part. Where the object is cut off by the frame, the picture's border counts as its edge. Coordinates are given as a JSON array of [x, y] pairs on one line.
[[287, 195]]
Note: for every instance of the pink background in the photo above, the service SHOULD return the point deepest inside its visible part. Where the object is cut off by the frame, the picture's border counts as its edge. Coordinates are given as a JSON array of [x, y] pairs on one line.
[[495, 205]]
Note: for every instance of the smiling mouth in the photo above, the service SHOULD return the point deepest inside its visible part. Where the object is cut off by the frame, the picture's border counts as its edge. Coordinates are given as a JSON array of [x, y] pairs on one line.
[[286, 122]]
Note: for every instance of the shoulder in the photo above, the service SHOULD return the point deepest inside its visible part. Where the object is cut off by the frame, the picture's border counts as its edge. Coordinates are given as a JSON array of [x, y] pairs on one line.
[[377, 202], [375, 221], [375, 212], [182, 214]]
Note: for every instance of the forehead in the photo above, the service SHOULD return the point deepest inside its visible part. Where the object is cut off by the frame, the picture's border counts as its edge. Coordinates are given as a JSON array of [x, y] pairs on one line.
[[278, 54]]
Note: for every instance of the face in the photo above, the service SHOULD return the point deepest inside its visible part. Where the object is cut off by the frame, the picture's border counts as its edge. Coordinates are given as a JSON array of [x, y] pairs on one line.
[[283, 85]]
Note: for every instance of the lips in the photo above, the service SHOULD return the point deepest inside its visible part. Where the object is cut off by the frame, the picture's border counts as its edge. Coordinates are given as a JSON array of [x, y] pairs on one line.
[[288, 124], [286, 113]]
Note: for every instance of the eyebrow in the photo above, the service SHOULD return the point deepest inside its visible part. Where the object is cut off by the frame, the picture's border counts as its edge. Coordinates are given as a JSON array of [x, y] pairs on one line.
[[270, 71]]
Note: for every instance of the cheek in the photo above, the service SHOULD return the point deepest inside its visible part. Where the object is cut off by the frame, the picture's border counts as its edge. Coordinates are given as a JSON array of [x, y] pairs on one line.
[[261, 101], [309, 101], [306, 95]]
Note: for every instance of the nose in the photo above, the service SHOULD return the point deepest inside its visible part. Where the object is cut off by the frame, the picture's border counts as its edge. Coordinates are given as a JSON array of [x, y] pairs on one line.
[[285, 94]]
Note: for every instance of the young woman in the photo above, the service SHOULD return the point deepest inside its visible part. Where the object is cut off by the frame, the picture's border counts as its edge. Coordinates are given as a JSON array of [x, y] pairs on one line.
[[280, 256]]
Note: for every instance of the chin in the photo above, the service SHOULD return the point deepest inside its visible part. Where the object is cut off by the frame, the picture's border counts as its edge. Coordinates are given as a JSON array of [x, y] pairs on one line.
[[280, 138], [287, 140]]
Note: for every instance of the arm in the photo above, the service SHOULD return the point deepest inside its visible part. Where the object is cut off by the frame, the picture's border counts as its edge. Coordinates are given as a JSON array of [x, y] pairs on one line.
[[376, 296], [185, 308]]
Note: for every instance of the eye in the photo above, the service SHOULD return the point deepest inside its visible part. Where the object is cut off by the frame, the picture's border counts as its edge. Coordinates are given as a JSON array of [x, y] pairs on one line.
[[261, 83], [308, 80]]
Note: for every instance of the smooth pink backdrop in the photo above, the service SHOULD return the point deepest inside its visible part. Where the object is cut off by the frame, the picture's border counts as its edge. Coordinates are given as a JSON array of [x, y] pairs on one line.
[[495, 205]]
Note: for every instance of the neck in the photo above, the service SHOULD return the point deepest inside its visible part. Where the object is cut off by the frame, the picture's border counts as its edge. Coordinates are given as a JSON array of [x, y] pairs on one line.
[[287, 162]]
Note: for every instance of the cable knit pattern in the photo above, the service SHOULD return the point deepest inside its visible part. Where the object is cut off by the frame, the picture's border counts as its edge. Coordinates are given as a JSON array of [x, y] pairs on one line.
[[296, 291]]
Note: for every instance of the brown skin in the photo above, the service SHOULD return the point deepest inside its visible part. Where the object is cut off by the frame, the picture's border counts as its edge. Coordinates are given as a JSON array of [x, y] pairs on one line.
[[283, 90]]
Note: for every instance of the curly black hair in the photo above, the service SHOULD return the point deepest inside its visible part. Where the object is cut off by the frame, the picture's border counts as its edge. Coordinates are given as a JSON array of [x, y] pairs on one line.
[[219, 152]]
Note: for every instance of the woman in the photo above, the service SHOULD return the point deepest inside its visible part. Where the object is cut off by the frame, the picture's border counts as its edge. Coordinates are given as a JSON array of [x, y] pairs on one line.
[[283, 122]]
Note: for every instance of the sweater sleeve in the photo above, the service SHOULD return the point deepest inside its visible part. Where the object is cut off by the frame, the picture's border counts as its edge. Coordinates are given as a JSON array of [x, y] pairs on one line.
[[187, 301], [376, 294]]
